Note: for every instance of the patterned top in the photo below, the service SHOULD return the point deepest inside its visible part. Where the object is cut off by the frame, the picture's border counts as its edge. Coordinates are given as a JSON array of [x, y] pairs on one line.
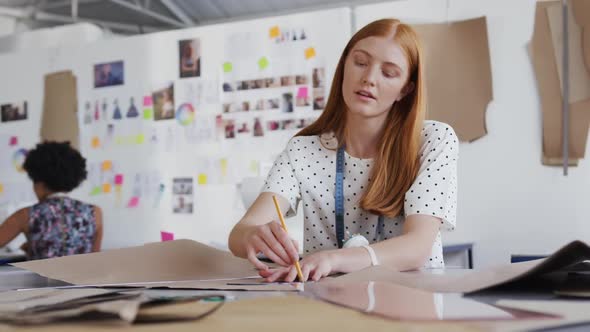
[[60, 226], [306, 171]]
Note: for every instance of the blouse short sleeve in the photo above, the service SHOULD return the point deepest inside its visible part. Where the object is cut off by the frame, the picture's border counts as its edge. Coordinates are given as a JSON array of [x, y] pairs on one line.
[[281, 180], [434, 192]]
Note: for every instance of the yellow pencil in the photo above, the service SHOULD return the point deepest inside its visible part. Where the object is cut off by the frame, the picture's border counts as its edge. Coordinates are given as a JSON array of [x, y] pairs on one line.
[[274, 199]]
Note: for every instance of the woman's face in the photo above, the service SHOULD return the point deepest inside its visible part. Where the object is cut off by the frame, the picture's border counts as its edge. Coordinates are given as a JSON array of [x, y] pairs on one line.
[[375, 73]]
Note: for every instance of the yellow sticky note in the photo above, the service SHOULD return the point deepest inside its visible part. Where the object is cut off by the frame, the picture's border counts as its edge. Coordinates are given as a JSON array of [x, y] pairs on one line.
[[95, 191], [148, 114], [309, 53], [254, 166], [139, 139], [223, 165], [106, 188], [95, 142], [263, 63], [274, 32], [107, 165], [1, 188], [202, 179], [227, 67]]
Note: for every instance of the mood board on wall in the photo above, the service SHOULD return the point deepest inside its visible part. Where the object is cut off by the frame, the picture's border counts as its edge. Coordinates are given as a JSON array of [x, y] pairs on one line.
[[171, 122]]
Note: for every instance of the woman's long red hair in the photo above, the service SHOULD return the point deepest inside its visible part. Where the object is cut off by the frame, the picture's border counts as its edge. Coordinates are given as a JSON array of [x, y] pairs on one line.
[[396, 164]]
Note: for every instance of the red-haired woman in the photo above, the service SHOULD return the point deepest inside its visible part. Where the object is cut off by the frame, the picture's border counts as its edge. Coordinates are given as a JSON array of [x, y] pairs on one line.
[[369, 166]]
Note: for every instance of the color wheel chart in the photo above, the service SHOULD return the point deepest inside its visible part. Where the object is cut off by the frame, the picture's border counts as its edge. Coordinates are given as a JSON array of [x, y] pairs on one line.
[[185, 114], [18, 159]]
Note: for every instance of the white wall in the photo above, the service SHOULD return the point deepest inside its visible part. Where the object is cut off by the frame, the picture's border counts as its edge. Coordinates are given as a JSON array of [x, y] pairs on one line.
[[508, 202]]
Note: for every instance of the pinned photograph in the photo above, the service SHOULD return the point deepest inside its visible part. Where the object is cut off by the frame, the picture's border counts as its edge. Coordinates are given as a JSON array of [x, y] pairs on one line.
[[182, 195], [14, 112], [259, 106], [301, 79], [228, 87], [318, 78], [87, 113], [116, 111], [189, 54], [273, 82], [319, 101], [272, 104], [243, 128], [242, 85], [302, 101], [108, 74], [287, 80], [229, 127], [163, 100], [273, 125], [288, 124], [258, 129], [287, 102], [132, 111]]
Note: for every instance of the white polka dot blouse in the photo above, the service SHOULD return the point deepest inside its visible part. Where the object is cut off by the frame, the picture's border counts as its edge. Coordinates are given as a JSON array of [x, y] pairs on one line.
[[305, 172]]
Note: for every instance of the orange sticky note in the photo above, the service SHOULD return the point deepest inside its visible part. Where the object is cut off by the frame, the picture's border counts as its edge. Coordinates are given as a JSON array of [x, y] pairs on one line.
[[107, 165], [1, 188], [106, 188], [95, 142], [274, 32], [202, 179], [309, 53]]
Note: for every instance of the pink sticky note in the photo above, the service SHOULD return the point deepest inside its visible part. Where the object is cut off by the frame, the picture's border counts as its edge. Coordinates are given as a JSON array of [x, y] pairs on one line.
[[147, 101], [166, 236], [133, 202], [119, 179], [302, 93], [13, 141]]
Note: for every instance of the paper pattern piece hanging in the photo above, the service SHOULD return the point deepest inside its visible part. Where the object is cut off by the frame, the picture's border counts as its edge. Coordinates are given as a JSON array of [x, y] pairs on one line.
[[459, 80], [59, 121], [545, 63]]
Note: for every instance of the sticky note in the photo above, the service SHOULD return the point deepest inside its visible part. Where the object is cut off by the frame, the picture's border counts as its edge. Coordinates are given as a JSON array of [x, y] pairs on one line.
[[95, 142], [13, 141], [262, 63], [139, 139], [227, 67], [147, 101], [223, 165], [309, 53], [1, 188], [119, 179], [148, 114], [202, 179], [274, 32], [302, 92], [254, 166], [95, 191], [107, 165], [106, 188], [133, 202], [166, 236]]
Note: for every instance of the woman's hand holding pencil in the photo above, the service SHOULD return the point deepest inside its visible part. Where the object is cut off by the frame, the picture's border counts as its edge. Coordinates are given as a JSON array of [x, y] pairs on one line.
[[273, 241]]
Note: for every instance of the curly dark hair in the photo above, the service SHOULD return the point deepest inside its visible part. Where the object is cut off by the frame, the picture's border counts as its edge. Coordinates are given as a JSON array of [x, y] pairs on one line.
[[57, 165]]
